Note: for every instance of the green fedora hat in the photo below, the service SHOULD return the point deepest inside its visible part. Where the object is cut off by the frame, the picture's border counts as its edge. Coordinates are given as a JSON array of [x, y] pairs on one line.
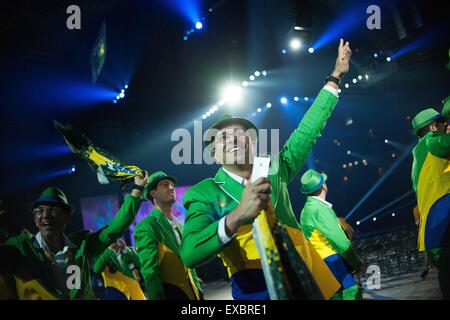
[[52, 196], [446, 107], [153, 181], [226, 120], [312, 181], [424, 118]]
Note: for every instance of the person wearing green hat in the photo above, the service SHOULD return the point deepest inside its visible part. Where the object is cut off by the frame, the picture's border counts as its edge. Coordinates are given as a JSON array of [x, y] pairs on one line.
[[430, 177], [55, 266], [158, 238], [119, 266], [220, 210], [321, 226]]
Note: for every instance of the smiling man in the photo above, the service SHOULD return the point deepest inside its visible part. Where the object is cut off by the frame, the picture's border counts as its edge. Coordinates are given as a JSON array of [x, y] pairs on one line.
[[158, 238], [221, 209], [50, 260]]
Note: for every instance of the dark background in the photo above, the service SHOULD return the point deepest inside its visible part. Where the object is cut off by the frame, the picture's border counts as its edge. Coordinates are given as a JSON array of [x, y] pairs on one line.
[[46, 74]]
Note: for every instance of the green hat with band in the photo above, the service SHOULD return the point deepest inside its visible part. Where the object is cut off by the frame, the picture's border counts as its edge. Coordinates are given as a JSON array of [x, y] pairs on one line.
[[312, 181], [54, 197], [424, 118], [153, 181]]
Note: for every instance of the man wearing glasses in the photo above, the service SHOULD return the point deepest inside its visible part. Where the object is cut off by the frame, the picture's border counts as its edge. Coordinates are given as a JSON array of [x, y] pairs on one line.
[[55, 266]]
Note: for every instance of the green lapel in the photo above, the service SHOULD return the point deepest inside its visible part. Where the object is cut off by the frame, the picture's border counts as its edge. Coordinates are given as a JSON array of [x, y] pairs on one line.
[[168, 237], [228, 185]]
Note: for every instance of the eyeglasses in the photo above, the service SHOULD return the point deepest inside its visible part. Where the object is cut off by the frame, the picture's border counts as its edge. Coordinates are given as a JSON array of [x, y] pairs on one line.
[[51, 210]]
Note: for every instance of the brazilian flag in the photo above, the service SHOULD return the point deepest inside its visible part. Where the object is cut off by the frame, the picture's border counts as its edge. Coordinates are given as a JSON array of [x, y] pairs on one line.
[[108, 168]]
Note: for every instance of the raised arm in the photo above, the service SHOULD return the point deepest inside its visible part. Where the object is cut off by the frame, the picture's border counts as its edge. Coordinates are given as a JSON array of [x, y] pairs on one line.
[[122, 220], [299, 145]]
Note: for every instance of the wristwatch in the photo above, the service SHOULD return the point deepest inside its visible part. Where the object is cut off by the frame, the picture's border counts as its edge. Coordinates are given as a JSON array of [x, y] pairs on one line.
[[333, 79], [135, 186]]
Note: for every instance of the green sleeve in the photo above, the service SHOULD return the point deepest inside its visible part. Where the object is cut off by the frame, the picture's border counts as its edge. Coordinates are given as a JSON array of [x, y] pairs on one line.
[[102, 260], [147, 250], [328, 224], [134, 258], [103, 238], [439, 145], [200, 242], [197, 283], [299, 145]]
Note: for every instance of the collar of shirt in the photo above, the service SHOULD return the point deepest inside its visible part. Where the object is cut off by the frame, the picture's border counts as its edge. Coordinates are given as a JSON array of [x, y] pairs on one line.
[[41, 244], [235, 177], [323, 201]]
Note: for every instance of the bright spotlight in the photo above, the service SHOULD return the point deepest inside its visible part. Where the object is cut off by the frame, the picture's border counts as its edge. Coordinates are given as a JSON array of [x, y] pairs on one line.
[[295, 44], [297, 28], [339, 90], [126, 86], [354, 80], [114, 101], [284, 51], [375, 55], [393, 214], [232, 94], [259, 109], [374, 219], [244, 83], [214, 108], [388, 59], [122, 91], [257, 73], [221, 102], [73, 169], [121, 95], [208, 114], [296, 98], [264, 73], [311, 50], [360, 77], [185, 38], [358, 223], [366, 76], [198, 25], [283, 100], [386, 141], [204, 117], [347, 85], [252, 77], [269, 105], [349, 152], [306, 98], [118, 97]]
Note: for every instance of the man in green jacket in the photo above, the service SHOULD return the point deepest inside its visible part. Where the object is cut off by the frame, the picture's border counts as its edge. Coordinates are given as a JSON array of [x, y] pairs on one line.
[[220, 210], [158, 238], [119, 266], [55, 266], [431, 182], [321, 226]]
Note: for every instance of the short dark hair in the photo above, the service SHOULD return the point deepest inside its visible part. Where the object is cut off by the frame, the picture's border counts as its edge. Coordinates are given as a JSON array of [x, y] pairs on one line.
[[316, 193]]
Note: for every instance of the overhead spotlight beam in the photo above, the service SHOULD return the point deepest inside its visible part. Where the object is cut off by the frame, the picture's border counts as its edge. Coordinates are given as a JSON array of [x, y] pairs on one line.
[[391, 169]]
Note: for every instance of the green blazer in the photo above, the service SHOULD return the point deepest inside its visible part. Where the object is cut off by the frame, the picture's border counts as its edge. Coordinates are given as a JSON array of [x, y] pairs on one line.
[[159, 253], [322, 228], [213, 198], [37, 268]]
